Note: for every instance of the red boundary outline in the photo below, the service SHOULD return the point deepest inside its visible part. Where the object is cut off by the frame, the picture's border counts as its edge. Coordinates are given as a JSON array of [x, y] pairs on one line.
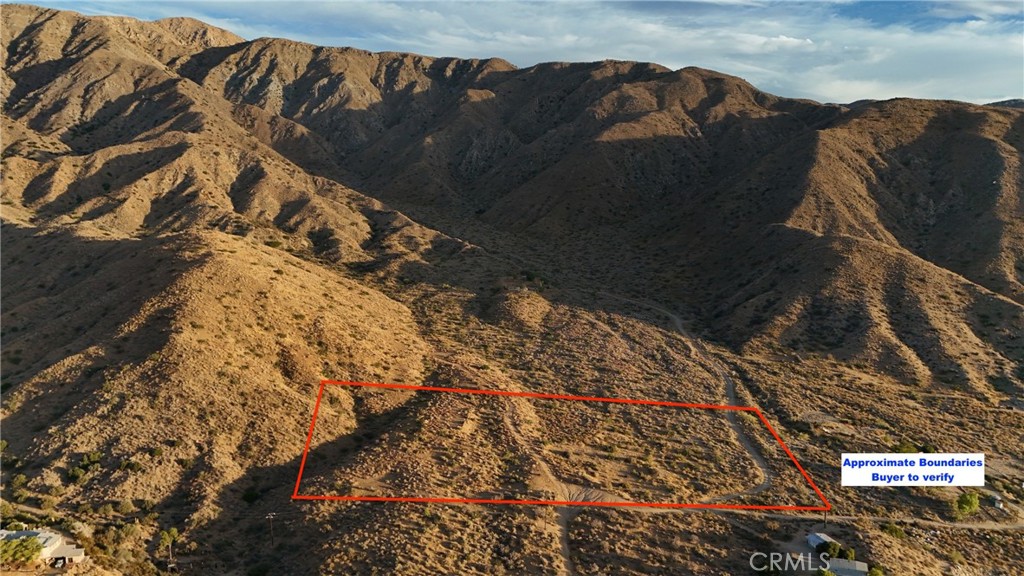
[[324, 383]]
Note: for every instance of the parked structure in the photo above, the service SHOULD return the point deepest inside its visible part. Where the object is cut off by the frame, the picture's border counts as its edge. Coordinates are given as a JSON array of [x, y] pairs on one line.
[[815, 539], [841, 567]]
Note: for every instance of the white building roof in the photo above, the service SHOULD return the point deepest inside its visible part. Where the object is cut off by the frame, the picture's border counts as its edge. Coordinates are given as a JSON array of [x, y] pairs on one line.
[[842, 567], [816, 538]]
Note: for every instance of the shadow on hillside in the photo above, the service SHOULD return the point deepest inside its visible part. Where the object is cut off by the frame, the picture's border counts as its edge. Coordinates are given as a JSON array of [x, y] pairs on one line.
[[940, 195], [129, 118], [241, 533], [77, 305], [528, 174]]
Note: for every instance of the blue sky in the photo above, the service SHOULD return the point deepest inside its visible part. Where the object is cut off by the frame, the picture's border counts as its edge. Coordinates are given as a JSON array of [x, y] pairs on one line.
[[970, 50]]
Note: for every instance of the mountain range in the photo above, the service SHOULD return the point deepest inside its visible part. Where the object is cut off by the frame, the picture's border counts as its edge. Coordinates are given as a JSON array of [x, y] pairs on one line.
[[198, 229]]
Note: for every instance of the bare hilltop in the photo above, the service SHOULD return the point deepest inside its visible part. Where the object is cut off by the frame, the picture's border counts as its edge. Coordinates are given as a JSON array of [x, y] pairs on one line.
[[197, 229]]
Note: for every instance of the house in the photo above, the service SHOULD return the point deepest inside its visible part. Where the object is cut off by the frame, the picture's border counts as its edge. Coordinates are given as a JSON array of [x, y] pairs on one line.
[[54, 546], [841, 567], [815, 539]]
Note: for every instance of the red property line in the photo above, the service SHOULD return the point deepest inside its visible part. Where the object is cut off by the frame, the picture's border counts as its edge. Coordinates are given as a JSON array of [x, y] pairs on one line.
[[324, 383]]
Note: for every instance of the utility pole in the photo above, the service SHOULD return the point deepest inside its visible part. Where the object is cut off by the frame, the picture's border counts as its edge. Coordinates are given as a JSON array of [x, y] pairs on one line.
[[270, 517], [826, 520]]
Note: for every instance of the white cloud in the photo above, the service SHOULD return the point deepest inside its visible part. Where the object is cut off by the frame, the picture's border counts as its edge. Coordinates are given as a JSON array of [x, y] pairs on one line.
[[983, 9], [969, 50]]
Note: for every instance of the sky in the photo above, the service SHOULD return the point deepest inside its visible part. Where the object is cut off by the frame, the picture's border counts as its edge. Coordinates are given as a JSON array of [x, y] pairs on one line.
[[970, 50]]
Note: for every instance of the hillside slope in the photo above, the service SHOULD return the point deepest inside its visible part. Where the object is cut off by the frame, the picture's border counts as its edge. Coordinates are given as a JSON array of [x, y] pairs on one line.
[[197, 229]]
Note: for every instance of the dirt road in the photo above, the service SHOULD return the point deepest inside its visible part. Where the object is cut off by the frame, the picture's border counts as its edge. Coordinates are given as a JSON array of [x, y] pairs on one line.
[[700, 353]]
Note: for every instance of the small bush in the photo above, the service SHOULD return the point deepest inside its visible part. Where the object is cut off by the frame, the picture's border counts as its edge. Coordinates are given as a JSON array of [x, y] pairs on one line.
[[125, 507], [905, 447], [77, 475], [131, 466], [91, 458], [894, 531], [830, 548]]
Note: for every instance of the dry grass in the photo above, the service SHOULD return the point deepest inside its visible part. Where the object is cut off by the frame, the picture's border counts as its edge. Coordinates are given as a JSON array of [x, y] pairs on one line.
[[197, 229]]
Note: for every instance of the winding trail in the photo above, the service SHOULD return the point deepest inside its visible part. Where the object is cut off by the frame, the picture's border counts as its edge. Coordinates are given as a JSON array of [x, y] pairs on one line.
[[699, 352], [565, 514]]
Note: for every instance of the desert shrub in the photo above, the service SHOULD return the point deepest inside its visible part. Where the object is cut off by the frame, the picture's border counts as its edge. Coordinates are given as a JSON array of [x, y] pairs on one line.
[[830, 548], [127, 532], [91, 459], [77, 475], [967, 504], [125, 507], [894, 531], [18, 481], [905, 447], [105, 510], [131, 466]]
